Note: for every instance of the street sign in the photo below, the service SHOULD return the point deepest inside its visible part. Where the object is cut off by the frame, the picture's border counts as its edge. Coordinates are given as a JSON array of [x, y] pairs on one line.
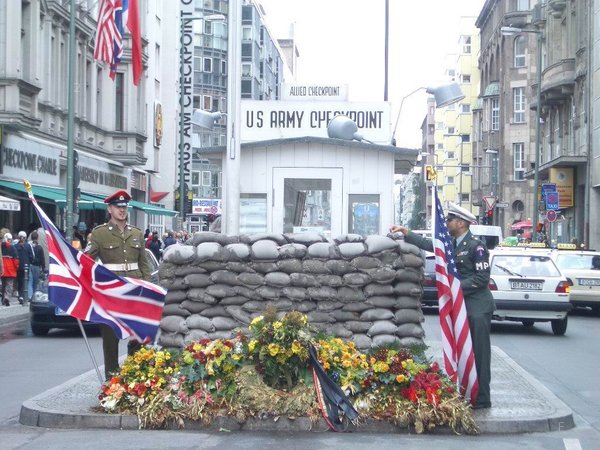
[[551, 199], [551, 215], [490, 201], [548, 187], [501, 205]]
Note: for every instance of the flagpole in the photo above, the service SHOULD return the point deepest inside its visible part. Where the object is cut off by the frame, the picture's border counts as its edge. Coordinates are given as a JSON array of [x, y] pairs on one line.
[[87, 344], [69, 207]]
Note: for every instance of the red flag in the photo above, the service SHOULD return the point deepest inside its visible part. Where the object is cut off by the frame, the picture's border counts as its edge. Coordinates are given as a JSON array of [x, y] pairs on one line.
[[457, 346], [133, 25]]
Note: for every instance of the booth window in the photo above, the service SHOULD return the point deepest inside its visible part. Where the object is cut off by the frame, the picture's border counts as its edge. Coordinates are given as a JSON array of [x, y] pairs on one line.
[[253, 213], [363, 214], [307, 203]]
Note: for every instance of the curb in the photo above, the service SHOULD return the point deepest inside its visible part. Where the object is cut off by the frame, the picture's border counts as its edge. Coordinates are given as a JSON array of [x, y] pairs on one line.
[[521, 405], [11, 318]]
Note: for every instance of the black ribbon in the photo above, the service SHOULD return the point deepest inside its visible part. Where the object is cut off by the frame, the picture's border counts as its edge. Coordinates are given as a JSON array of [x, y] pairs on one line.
[[332, 399]]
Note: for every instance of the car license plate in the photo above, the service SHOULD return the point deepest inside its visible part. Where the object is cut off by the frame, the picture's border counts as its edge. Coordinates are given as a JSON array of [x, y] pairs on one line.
[[59, 312], [589, 282], [527, 285]]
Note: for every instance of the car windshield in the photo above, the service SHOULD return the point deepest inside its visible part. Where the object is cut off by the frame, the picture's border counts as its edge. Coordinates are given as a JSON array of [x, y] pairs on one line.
[[524, 266], [577, 261]]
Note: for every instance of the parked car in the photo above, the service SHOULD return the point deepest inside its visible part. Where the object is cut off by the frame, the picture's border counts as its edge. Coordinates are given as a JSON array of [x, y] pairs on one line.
[[430, 295], [528, 287], [45, 315], [582, 268]]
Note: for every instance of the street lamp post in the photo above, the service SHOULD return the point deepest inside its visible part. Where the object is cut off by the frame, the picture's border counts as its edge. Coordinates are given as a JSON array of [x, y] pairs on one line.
[[509, 31]]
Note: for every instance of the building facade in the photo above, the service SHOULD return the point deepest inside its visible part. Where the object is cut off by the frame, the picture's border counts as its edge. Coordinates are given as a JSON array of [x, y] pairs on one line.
[[558, 33]]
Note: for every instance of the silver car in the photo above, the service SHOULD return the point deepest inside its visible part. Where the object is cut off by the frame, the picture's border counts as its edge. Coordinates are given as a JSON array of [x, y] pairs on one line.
[[528, 287]]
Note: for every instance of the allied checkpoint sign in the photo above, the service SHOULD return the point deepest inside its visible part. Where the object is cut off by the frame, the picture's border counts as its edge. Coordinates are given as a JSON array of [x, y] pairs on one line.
[[266, 120]]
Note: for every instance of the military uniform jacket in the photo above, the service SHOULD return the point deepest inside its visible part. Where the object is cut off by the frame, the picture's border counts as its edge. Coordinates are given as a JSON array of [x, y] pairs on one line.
[[108, 244], [472, 262]]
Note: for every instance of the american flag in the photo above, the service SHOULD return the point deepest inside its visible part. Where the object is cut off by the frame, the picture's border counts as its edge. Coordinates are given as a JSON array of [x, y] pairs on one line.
[[457, 346], [113, 16], [89, 291]]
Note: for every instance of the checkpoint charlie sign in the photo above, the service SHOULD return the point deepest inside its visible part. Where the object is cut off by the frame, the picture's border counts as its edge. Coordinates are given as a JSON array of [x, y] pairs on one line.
[[265, 120]]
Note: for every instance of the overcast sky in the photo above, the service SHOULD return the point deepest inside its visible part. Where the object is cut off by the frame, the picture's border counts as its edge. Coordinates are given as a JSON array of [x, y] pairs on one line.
[[342, 41]]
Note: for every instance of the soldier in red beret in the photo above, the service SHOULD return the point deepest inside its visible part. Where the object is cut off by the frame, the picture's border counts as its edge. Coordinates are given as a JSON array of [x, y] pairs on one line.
[[120, 247]]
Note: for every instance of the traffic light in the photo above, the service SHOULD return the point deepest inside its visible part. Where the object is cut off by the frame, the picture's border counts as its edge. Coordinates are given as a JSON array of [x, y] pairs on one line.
[[430, 173], [490, 216]]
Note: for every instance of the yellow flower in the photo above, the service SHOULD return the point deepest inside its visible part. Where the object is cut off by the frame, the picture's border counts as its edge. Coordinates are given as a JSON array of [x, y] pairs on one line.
[[188, 358], [277, 325], [381, 366], [252, 345], [273, 349], [296, 347], [401, 378], [256, 320]]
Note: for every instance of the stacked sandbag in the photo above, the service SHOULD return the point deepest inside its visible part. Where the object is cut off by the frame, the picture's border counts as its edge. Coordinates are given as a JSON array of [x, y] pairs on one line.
[[364, 289]]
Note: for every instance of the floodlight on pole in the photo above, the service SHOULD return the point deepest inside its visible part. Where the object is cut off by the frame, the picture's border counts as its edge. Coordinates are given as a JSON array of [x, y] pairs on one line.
[[206, 119], [444, 95], [343, 127], [511, 31]]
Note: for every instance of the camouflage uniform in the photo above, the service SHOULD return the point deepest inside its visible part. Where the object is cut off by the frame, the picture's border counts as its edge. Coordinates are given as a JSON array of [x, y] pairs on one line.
[[472, 263], [125, 255]]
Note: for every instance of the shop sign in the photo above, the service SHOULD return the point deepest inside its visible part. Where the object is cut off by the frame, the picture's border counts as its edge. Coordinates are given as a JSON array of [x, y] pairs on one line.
[[26, 159], [206, 206]]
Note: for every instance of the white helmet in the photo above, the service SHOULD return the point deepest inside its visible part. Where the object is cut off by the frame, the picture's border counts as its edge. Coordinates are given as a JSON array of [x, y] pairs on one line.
[[22, 234], [7, 237]]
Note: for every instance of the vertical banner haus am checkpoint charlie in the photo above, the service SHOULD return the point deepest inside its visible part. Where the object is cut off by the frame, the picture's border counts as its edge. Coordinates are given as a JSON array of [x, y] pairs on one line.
[[266, 120]]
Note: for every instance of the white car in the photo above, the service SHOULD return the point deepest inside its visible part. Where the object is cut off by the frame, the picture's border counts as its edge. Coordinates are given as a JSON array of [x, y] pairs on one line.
[[582, 268], [528, 287]]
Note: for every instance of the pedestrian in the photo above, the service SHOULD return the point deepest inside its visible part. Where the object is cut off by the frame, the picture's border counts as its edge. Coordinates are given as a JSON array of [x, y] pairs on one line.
[[37, 267], [120, 247], [10, 262], [170, 239], [156, 246], [472, 262], [24, 261]]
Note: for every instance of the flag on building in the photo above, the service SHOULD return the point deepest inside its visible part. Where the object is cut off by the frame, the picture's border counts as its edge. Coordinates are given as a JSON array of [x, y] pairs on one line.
[[85, 289], [457, 347], [113, 17]]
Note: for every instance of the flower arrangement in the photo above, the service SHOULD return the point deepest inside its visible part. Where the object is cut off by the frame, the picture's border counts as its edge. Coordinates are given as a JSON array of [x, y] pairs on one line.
[[279, 347], [266, 371]]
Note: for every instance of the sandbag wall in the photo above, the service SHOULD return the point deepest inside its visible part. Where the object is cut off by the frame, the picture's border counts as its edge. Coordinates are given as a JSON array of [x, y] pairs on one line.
[[364, 289]]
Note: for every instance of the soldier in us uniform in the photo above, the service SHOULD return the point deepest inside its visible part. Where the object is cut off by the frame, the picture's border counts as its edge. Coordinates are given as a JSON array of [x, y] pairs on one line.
[[120, 248], [472, 262]]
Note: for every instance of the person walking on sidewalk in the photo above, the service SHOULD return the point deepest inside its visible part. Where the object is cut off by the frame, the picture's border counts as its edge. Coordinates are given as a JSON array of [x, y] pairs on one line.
[[120, 247], [472, 262], [37, 267], [24, 261], [10, 262]]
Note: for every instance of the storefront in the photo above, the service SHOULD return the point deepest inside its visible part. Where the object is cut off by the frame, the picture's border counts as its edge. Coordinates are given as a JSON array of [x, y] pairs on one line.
[[43, 164]]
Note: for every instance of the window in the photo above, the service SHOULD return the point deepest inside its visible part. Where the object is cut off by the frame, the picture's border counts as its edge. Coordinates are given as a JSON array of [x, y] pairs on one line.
[[207, 65], [246, 69], [449, 180], [207, 102], [523, 5], [465, 79], [450, 130], [465, 138], [519, 161], [363, 214], [519, 49], [495, 114], [439, 125], [223, 67], [465, 198], [450, 155], [119, 97], [246, 33], [206, 178], [253, 213], [440, 146], [519, 105], [465, 109], [466, 44]]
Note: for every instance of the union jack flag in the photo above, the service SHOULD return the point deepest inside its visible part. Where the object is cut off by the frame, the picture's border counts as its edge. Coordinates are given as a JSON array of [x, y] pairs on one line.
[[457, 346], [113, 16], [89, 291]]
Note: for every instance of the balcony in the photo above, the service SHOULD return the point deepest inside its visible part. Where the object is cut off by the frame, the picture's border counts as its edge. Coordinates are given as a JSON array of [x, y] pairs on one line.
[[556, 7], [558, 81]]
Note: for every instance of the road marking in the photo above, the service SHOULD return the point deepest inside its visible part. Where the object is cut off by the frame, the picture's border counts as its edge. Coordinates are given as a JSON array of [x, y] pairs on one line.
[[572, 444]]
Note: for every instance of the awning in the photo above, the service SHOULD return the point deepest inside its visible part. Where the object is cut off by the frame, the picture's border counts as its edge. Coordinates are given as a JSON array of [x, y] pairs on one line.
[[8, 204], [57, 195], [522, 224]]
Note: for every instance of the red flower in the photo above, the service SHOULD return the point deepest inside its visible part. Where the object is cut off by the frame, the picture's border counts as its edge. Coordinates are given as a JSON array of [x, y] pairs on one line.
[[410, 394], [204, 341]]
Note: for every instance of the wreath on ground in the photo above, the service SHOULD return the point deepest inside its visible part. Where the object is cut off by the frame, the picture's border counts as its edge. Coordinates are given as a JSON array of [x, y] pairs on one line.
[[269, 373]]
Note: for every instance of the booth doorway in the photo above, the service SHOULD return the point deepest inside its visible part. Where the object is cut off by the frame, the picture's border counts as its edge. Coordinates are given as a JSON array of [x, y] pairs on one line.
[[307, 199]]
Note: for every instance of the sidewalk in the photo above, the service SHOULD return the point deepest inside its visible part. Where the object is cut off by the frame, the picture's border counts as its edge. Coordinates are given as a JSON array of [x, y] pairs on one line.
[[521, 404], [13, 314]]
